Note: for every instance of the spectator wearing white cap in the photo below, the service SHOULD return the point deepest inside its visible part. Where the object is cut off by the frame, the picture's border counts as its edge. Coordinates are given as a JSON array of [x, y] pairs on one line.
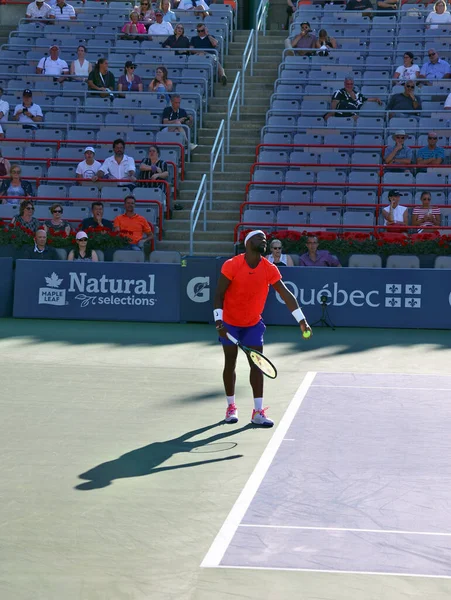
[[27, 112], [63, 12], [39, 10], [53, 64], [82, 252], [4, 108], [160, 27], [88, 168]]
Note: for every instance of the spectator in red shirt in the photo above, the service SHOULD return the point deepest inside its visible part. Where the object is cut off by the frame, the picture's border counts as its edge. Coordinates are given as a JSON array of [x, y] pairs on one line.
[[132, 225]]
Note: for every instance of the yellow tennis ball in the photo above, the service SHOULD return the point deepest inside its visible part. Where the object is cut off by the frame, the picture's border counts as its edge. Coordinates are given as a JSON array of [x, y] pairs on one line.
[[306, 334]]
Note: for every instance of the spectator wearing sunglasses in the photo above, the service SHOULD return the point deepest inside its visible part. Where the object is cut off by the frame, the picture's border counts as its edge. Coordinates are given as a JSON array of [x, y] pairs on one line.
[[407, 71], [276, 257], [82, 252], [397, 153], [26, 218], [203, 42], [431, 155], [129, 82], [145, 12], [434, 68], [405, 101], [178, 40], [57, 223], [160, 27]]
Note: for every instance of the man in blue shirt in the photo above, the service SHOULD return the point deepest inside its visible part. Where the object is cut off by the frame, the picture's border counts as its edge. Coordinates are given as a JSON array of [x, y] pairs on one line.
[[436, 68], [204, 41], [431, 155]]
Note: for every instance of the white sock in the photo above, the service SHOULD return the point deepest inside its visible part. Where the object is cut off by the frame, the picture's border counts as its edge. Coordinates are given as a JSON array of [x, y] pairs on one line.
[[258, 403], [230, 399]]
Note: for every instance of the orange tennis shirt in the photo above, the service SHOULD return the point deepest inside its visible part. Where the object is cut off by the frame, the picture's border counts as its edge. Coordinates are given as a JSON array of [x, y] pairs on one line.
[[246, 295]]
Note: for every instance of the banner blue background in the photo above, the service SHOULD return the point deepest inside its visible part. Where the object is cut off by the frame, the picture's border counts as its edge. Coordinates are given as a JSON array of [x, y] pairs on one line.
[[6, 286], [100, 291], [197, 289]]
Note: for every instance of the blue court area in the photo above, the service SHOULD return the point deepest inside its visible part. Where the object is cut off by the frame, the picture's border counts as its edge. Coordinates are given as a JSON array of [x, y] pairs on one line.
[[356, 479]]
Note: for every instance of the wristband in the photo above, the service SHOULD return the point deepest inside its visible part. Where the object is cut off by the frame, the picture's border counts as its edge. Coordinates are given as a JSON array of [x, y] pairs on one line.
[[217, 313], [298, 315]]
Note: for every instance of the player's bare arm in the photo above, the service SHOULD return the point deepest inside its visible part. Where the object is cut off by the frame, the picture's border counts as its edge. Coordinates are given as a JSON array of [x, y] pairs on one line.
[[292, 305], [221, 288]]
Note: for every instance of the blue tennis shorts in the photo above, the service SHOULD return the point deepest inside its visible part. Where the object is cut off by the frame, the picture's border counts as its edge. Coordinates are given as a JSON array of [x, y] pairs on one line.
[[249, 336]]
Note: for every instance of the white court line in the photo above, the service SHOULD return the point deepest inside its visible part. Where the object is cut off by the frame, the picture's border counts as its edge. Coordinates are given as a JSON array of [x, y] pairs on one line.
[[228, 530], [426, 576], [371, 387], [289, 440], [398, 531]]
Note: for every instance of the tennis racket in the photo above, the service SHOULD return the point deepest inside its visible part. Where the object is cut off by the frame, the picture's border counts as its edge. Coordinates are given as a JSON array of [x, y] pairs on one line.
[[260, 361]]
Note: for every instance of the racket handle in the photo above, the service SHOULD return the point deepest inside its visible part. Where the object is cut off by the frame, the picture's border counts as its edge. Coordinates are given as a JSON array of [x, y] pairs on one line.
[[232, 339]]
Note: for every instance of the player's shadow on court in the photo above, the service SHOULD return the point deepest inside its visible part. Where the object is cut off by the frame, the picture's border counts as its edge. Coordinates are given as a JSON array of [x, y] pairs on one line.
[[146, 460]]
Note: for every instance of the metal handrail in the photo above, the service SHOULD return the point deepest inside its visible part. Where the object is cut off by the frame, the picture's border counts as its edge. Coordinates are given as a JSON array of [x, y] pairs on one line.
[[234, 100], [260, 24], [200, 203], [248, 56], [216, 151]]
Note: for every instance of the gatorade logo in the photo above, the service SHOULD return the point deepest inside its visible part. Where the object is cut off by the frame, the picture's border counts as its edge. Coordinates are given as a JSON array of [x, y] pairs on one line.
[[198, 289]]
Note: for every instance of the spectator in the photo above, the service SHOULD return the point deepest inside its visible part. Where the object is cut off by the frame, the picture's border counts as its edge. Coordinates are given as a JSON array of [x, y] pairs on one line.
[[160, 27], [145, 12], [324, 43], [129, 82], [174, 115], [97, 219], [28, 113], [41, 251], [89, 167], [63, 12], [4, 108], [178, 40], [317, 258], [134, 26], [438, 16], [291, 9], [2, 133], [406, 71], [386, 8], [132, 225], [14, 188], [25, 218], [435, 68], [200, 7], [364, 6], [347, 101], [405, 101], [117, 166], [152, 168], [39, 10], [398, 154], [81, 67], [425, 215], [82, 252], [57, 223], [276, 257], [431, 155], [169, 16], [161, 83], [102, 80], [304, 41], [53, 64], [394, 213], [5, 166], [202, 42]]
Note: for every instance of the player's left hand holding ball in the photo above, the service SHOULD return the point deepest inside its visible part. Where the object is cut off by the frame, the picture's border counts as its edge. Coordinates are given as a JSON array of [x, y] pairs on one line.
[[306, 329]]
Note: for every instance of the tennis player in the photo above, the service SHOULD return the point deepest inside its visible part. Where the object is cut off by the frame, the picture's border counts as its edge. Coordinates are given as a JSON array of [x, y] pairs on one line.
[[241, 294]]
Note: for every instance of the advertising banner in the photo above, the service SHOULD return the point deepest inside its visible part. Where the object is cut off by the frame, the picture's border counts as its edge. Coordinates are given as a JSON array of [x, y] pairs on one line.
[[6, 286], [414, 298], [198, 283], [97, 291]]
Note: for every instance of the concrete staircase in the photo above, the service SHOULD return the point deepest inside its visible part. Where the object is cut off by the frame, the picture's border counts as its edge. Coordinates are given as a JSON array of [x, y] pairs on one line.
[[229, 186]]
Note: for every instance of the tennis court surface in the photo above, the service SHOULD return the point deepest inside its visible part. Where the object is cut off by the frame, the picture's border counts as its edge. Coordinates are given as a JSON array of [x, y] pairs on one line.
[[117, 471], [356, 479]]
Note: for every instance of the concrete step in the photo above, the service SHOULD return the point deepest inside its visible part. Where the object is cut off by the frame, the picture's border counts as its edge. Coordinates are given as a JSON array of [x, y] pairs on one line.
[[222, 226], [232, 184], [223, 199], [213, 236], [230, 169], [224, 216], [201, 247]]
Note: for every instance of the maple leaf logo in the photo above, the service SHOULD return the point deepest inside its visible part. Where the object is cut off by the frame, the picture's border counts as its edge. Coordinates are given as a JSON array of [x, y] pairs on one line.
[[53, 281]]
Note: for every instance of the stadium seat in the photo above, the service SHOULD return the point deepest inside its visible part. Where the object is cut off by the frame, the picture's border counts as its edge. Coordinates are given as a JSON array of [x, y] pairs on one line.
[[403, 261], [258, 215], [366, 261], [128, 256], [165, 257], [442, 262]]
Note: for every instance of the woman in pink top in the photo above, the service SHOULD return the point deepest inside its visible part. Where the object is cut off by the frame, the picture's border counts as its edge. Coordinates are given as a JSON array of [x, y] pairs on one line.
[[425, 215], [134, 26]]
